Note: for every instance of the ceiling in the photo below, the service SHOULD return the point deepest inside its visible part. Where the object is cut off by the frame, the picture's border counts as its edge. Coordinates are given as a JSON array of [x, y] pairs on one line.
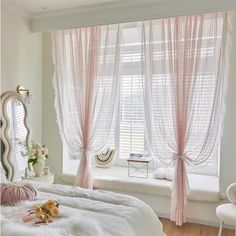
[[39, 6]]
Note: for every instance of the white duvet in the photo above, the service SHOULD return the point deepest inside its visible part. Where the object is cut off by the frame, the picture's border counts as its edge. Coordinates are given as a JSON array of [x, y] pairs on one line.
[[84, 213]]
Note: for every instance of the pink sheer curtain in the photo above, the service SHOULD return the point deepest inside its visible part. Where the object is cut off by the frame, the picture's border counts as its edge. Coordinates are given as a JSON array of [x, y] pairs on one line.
[[183, 81], [86, 77]]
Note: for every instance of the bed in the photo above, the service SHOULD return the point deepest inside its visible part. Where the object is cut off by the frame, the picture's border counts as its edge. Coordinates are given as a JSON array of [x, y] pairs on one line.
[[82, 212]]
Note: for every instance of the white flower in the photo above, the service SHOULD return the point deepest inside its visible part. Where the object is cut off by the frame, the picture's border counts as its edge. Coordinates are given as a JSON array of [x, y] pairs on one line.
[[45, 151], [32, 152], [39, 152]]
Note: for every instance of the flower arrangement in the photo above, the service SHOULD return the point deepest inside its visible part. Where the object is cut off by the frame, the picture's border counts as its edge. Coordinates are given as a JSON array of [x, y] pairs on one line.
[[44, 213], [37, 153], [47, 211]]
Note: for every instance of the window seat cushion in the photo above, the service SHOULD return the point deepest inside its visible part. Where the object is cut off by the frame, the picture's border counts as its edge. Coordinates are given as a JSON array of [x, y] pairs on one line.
[[202, 187]]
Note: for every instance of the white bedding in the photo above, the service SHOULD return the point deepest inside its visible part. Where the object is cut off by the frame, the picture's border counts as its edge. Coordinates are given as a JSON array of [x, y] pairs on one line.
[[85, 213]]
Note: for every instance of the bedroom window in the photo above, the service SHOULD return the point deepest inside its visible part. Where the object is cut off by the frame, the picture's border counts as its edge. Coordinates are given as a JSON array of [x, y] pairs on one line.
[[128, 133]]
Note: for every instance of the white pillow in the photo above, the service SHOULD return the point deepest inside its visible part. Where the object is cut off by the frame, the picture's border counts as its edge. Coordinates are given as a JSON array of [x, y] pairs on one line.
[[164, 173], [3, 174]]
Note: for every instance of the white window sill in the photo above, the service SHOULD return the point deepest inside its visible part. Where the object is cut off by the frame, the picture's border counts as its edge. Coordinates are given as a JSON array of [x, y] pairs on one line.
[[202, 187]]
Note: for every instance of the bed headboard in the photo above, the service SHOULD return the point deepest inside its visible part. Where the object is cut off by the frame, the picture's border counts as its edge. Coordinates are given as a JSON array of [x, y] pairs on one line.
[[14, 130]]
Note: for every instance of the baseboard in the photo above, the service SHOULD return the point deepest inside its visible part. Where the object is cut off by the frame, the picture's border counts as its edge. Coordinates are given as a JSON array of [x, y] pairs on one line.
[[197, 221]]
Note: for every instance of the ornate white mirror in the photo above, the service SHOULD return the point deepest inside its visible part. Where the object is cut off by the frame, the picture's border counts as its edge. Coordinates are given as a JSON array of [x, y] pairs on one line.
[[15, 135]]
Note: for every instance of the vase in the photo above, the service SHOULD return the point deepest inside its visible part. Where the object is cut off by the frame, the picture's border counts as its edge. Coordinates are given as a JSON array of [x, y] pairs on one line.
[[38, 167]]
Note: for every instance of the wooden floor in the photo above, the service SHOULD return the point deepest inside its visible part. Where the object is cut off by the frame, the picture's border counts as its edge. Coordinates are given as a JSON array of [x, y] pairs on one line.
[[189, 229]]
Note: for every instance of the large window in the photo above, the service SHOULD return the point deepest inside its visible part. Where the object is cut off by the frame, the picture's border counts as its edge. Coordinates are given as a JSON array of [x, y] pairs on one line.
[[128, 133]]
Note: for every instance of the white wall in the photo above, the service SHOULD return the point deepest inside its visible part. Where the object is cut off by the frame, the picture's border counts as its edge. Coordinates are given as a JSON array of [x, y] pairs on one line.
[[21, 62], [228, 147]]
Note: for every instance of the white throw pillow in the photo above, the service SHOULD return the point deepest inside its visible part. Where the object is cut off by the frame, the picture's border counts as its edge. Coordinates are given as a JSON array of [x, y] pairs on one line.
[[159, 173], [164, 173]]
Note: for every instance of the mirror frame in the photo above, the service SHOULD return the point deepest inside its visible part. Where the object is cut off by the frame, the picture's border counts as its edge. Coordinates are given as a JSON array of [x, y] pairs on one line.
[[7, 158]]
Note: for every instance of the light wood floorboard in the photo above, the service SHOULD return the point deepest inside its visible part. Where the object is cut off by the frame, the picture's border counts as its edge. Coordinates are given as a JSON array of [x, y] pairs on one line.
[[190, 229]]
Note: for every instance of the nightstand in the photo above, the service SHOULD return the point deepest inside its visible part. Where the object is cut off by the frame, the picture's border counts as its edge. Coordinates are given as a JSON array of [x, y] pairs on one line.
[[48, 179]]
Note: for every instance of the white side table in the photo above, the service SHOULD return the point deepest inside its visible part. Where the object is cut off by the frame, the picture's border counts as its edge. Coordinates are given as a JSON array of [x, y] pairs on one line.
[[227, 214], [139, 167], [48, 179]]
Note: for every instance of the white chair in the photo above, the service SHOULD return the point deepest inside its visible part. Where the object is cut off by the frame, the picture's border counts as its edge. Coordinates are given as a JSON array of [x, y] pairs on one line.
[[227, 212]]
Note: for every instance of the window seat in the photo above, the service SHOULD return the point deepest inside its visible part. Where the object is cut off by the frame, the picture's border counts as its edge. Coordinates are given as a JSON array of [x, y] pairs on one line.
[[202, 187], [203, 198]]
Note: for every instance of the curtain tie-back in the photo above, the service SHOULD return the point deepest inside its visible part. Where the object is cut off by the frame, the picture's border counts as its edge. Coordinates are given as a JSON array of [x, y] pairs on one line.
[[182, 157], [179, 156], [84, 150]]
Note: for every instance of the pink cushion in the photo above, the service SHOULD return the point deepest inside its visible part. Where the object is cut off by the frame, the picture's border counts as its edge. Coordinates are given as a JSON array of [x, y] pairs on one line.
[[11, 193]]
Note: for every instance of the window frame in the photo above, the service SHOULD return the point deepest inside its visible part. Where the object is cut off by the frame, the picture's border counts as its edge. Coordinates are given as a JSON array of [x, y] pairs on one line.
[[121, 161]]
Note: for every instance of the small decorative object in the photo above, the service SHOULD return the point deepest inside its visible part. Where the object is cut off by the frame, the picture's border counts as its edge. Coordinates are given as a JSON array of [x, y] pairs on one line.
[[37, 155], [46, 170], [12, 193], [44, 213], [104, 159], [136, 155]]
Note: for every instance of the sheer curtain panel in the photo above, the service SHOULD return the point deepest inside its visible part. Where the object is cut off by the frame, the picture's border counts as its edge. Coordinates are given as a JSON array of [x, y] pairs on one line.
[[168, 101], [86, 77], [184, 93]]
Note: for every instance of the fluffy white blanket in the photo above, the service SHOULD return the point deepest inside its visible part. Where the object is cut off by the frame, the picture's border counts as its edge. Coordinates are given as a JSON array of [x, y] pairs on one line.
[[85, 213]]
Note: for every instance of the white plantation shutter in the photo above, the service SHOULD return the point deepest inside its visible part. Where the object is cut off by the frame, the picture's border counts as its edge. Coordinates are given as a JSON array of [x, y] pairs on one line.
[[130, 124], [131, 117]]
